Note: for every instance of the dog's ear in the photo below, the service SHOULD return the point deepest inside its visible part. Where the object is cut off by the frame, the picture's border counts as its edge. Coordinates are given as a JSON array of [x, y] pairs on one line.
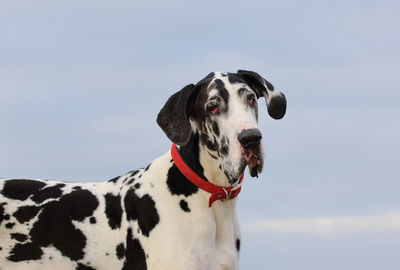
[[174, 116], [276, 101]]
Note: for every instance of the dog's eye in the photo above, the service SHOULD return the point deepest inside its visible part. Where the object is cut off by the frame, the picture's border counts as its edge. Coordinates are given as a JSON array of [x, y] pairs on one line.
[[213, 109], [251, 100]]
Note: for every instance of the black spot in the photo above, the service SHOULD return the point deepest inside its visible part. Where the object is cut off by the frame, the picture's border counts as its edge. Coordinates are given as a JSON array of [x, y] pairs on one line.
[[224, 150], [93, 220], [215, 128], [19, 237], [25, 252], [78, 204], [208, 143], [54, 225], [148, 166], [224, 146], [47, 193], [137, 185], [178, 184], [135, 258], [238, 244], [120, 251], [113, 210], [142, 209], [133, 173], [114, 180], [1, 248], [10, 225], [21, 189], [222, 91], [77, 188], [184, 205], [26, 213], [3, 216], [81, 266]]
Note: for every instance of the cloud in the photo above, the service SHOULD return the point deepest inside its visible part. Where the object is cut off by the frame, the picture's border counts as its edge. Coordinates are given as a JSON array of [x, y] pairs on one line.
[[326, 226]]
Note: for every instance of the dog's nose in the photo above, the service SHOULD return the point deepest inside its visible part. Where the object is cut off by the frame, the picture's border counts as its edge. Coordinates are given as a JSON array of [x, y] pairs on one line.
[[249, 138]]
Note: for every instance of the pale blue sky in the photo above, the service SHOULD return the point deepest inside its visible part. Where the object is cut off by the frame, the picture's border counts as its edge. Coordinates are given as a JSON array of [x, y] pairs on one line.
[[81, 83]]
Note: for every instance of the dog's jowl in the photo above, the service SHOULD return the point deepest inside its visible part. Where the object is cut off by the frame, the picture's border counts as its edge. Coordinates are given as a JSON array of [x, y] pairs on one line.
[[177, 213]]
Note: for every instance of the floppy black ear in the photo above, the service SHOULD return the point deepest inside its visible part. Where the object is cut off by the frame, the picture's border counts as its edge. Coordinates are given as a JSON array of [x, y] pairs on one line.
[[174, 116], [276, 101]]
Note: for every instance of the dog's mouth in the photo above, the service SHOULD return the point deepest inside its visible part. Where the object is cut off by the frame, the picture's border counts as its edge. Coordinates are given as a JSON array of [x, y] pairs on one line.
[[254, 161]]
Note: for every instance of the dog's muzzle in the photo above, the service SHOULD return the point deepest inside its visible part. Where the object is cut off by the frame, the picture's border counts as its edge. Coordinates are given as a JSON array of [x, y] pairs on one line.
[[250, 140]]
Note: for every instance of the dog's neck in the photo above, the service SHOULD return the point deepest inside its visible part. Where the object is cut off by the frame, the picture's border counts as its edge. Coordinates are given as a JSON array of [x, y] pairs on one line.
[[197, 157]]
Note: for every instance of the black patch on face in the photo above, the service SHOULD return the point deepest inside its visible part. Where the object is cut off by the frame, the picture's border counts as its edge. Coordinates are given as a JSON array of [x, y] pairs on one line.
[[25, 252], [54, 225], [19, 237], [178, 184], [224, 146], [21, 189], [222, 91], [141, 209], [208, 143], [26, 213], [224, 150], [47, 193], [233, 78], [215, 128], [135, 258], [137, 185], [120, 251], [92, 220], [113, 210], [81, 266], [114, 180], [3, 216], [10, 225], [238, 244], [184, 205]]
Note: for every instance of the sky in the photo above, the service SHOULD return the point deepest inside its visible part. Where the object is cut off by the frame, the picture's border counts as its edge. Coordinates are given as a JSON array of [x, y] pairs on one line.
[[81, 84]]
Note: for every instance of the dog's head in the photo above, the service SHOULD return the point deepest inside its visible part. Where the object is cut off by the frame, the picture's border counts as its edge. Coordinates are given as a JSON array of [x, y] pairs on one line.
[[222, 109]]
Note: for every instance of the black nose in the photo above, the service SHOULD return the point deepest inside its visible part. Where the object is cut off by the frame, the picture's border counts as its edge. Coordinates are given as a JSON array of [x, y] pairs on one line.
[[250, 138]]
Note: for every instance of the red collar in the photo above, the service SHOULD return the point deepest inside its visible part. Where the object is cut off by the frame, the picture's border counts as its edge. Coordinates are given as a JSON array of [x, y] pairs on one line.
[[217, 192]]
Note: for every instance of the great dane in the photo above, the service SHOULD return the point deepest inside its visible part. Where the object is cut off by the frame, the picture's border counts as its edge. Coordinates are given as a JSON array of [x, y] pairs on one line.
[[177, 213]]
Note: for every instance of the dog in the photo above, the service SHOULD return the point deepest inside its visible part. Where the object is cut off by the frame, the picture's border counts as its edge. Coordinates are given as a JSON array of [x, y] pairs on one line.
[[177, 213]]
